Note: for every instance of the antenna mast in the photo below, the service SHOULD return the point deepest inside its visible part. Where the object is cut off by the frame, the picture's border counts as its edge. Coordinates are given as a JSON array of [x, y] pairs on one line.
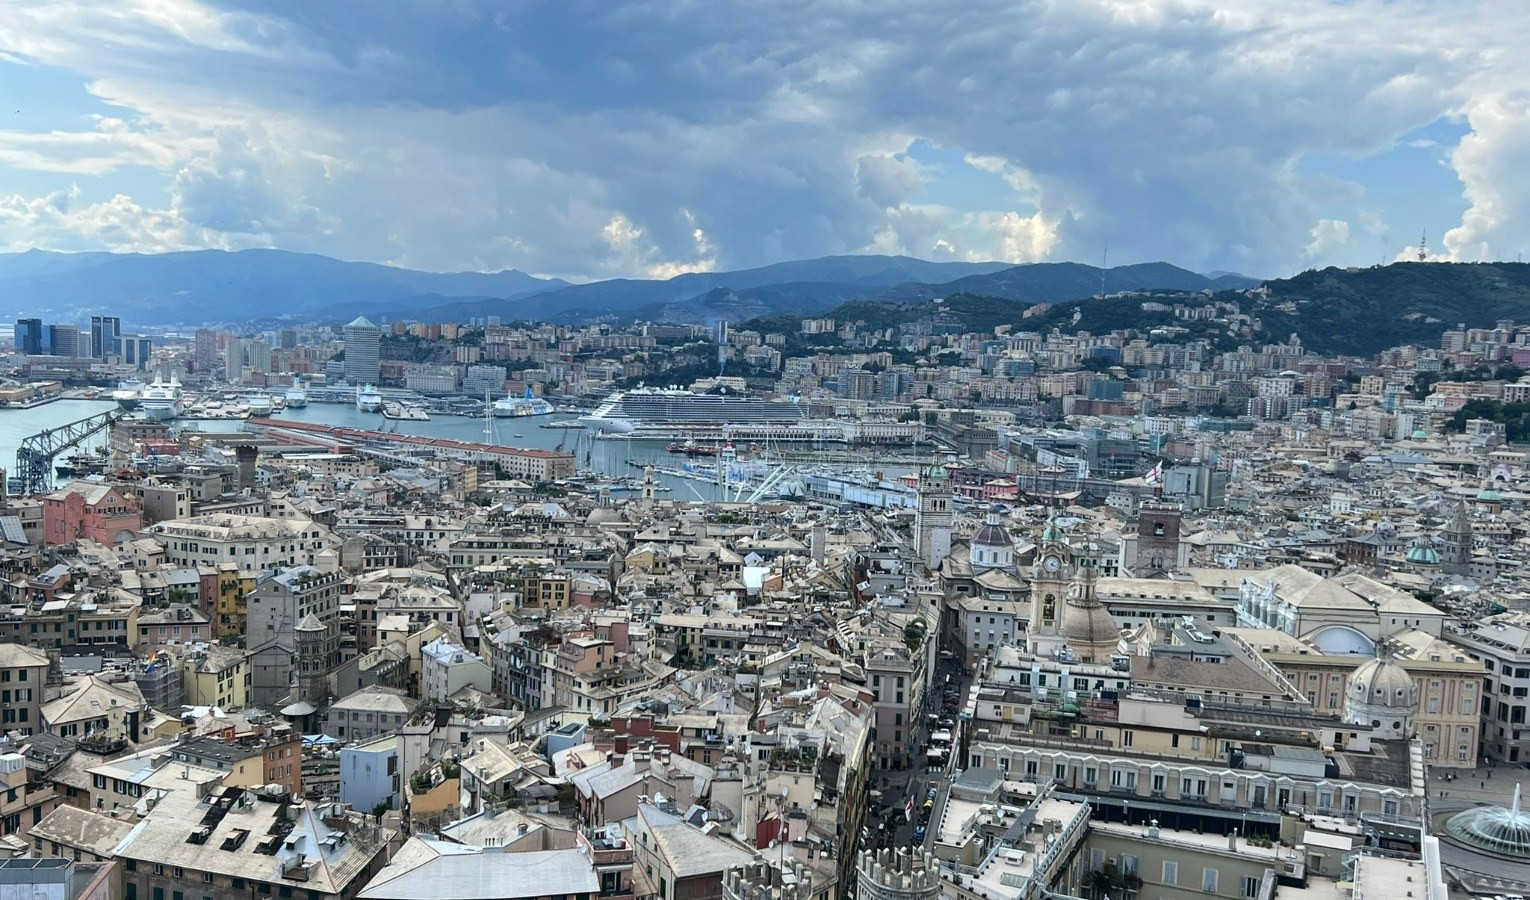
[[1104, 261], [1423, 247]]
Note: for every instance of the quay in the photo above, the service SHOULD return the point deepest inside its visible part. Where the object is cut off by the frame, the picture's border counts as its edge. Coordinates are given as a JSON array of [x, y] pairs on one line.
[[542, 465]]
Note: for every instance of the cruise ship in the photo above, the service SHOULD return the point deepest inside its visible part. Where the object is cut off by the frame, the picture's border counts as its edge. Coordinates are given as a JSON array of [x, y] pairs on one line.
[[260, 404], [516, 407], [128, 393], [658, 408], [162, 400], [367, 399], [297, 395]]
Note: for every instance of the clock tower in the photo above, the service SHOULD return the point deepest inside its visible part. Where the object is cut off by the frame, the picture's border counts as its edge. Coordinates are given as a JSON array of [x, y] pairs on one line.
[[1049, 588]]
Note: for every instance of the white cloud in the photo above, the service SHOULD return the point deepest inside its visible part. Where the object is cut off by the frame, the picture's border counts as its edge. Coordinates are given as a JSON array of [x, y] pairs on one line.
[[594, 140], [1330, 237]]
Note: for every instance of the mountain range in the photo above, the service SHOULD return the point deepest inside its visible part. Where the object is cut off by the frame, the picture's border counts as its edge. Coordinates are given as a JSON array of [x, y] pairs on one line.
[[212, 286]]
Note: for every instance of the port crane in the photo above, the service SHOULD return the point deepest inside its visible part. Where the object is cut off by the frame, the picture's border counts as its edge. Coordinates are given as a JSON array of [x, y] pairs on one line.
[[34, 458]]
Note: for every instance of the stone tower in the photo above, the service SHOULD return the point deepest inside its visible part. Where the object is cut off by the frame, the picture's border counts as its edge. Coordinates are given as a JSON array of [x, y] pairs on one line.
[[1049, 588], [1457, 558], [312, 659], [899, 874], [1157, 539], [932, 518]]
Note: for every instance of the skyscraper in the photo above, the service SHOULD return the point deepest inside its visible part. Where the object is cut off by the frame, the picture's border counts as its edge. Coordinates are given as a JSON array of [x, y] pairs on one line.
[[362, 342], [205, 355], [105, 334], [233, 360], [259, 353], [64, 339], [29, 336]]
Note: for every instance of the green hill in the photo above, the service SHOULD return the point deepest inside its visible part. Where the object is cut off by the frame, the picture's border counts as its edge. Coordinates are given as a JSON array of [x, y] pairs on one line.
[[1366, 310], [1335, 311]]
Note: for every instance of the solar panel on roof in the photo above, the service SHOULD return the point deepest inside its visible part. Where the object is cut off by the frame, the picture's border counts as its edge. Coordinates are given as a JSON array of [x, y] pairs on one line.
[[11, 530]]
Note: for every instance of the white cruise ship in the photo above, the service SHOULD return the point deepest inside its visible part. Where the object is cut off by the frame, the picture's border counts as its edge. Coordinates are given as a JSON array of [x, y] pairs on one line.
[[368, 399], [162, 400], [297, 395], [650, 408], [516, 407], [128, 393]]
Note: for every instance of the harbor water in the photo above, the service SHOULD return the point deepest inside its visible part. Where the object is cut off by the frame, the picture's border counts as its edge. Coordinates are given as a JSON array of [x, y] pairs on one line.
[[612, 458]]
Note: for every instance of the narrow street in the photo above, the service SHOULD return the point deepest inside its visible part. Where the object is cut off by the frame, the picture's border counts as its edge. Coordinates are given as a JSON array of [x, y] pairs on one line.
[[898, 787]]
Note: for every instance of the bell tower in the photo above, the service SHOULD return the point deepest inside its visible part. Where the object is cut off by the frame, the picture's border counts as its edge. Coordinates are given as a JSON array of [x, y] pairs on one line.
[[932, 517], [1050, 577]]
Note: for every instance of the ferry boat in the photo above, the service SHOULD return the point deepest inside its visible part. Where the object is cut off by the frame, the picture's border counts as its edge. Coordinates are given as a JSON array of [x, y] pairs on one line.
[[646, 408], [128, 393], [404, 412], [260, 404], [297, 395], [691, 449], [162, 400], [516, 407], [368, 400]]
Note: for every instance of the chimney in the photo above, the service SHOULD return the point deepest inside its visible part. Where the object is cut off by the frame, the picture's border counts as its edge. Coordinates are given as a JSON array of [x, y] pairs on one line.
[[621, 745], [246, 454]]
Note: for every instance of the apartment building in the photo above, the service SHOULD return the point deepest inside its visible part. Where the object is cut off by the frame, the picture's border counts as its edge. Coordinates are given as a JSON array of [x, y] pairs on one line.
[[1501, 643], [234, 844], [250, 542], [23, 675]]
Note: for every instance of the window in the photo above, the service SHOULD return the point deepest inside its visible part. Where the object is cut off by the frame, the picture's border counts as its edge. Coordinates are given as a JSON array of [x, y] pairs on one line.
[[1209, 881], [159, 869], [207, 878], [1250, 886], [1170, 872]]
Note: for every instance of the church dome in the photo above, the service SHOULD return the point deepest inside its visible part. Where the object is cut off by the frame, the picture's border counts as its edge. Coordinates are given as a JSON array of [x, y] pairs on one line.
[[1420, 434], [1089, 625], [1383, 683], [1421, 554], [936, 472], [1086, 623], [993, 534], [1489, 495]]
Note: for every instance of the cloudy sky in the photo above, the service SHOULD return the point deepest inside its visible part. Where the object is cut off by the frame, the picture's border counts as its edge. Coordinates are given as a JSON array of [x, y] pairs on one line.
[[595, 138]]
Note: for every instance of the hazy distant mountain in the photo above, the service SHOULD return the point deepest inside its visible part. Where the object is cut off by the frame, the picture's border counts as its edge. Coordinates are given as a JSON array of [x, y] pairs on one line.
[[206, 286], [212, 285], [1055, 282], [855, 276]]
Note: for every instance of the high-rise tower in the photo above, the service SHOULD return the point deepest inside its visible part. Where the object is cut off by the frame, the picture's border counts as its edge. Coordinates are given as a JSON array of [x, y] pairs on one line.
[[363, 341]]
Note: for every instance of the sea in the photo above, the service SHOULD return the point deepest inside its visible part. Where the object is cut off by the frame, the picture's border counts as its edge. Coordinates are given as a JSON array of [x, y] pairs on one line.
[[614, 458]]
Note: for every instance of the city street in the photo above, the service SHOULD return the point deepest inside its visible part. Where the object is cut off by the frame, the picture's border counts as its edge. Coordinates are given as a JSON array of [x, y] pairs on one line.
[[898, 786]]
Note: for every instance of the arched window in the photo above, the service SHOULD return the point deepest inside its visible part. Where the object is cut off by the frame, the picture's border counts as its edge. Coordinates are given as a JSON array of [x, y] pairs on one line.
[[1157, 529]]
